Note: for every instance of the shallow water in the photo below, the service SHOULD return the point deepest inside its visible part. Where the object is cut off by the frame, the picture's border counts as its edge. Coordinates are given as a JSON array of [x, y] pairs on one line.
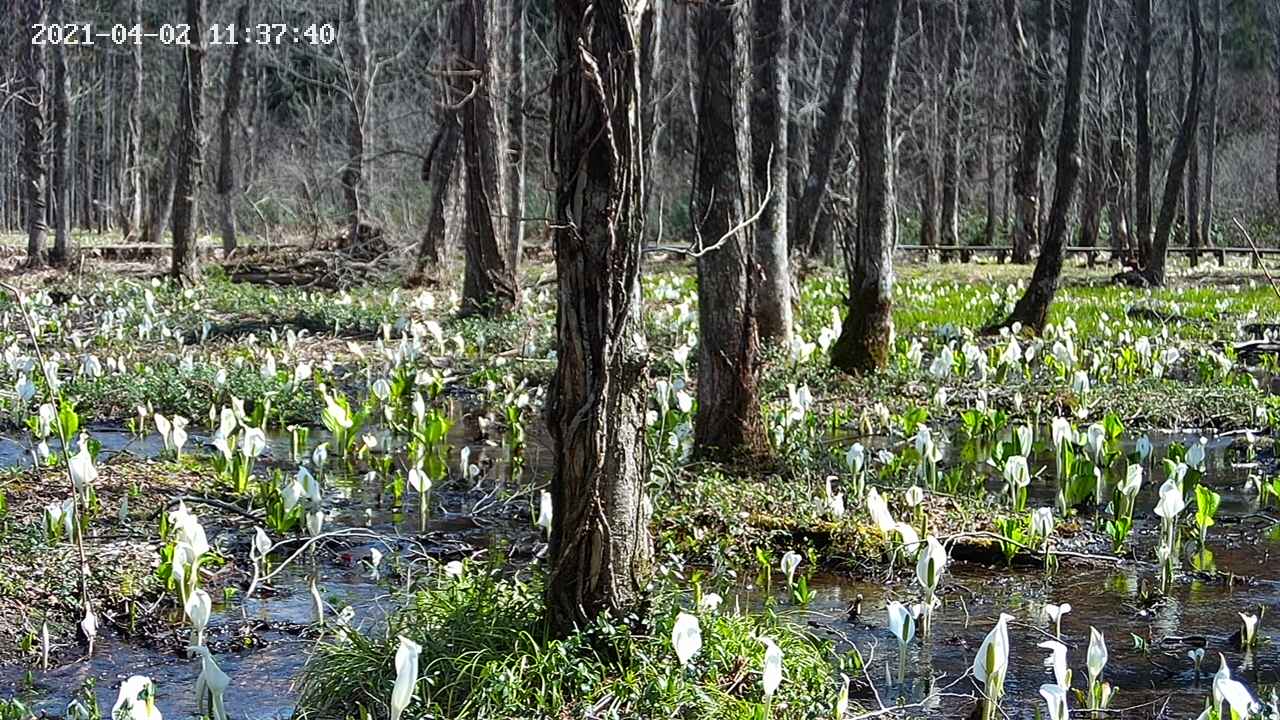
[[1200, 611]]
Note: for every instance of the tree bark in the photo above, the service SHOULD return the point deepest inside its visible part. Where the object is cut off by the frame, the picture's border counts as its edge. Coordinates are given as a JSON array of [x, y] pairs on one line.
[[189, 163], [61, 187], [133, 141], [358, 68], [437, 172], [1033, 110], [830, 133], [1142, 121], [31, 106], [1154, 271], [1211, 132], [601, 552], [770, 108], [516, 135], [728, 420], [866, 337], [489, 283], [1032, 309], [226, 183]]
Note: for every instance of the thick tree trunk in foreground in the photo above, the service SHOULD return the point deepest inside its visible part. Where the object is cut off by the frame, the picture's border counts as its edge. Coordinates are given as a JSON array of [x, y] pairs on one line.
[[1034, 99], [866, 338], [770, 108], [728, 420], [828, 137], [1154, 271], [1032, 309], [489, 283], [226, 183], [61, 188], [1142, 119], [32, 111], [190, 159], [601, 553]]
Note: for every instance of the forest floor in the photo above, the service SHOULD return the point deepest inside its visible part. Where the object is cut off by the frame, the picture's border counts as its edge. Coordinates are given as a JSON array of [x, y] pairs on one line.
[[1156, 363]]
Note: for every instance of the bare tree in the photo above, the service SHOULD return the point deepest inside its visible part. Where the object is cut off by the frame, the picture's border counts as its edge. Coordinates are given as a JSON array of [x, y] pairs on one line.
[[1033, 110], [830, 131], [358, 67], [866, 337], [1142, 120], [1211, 132], [31, 106], [1032, 309], [515, 134], [189, 162], [489, 283], [226, 182], [133, 140], [770, 106], [1154, 270], [601, 553], [728, 419], [61, 187]]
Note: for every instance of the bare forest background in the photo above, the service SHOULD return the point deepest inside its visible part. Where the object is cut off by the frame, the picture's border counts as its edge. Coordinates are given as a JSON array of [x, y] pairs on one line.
[[363, 138]]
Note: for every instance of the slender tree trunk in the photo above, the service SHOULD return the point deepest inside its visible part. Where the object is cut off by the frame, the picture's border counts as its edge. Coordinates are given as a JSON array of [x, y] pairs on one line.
[[601, 553], [31, 106], [830, 133], [1211, 136], [1117, 168], [226, 183], [1142, 120], [489, 283], [1154, 271], [651, 22], [728, 422], [358, 68], [1192, 210], [1032, 309], [770, 107], [162, 195], [516, 135], [866, 337], [1033, 111], [133, 141], [62, 147], [437, 172], [951, 132], [929, 202], [1275, 19], [190, 159]]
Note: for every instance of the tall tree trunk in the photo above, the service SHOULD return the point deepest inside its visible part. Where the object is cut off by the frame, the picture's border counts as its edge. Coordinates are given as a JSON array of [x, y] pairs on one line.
[[728, 420], [830, 133], [162, 192], [1142, 121], [437, 173], [133, 142], [189, 163], [1117, 182], [516, 135], [929, 202], [1154, 271], [1033, 110], [1211, 135], [489, 283], [226, 183], [1032, 309], [358, 67], [651, 21], [951, 132], [601, 553], [31, 106], [866, 337], [770, 108], [1192, 210], [1275, 20], [61, 146]]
